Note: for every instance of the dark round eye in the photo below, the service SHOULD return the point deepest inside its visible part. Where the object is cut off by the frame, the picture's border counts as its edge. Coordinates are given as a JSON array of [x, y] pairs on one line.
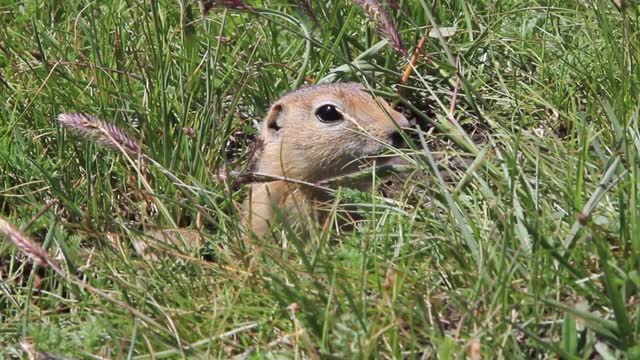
[[328, 113]]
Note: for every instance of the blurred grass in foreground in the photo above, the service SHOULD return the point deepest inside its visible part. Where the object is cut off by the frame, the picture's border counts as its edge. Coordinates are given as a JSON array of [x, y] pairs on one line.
[[530, 249]]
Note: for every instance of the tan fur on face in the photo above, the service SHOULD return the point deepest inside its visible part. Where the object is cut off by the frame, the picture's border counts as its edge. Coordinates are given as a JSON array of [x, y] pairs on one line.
[[297, 145]]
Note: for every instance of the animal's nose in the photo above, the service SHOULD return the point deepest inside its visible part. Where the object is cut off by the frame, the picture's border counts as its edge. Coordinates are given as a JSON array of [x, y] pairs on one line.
[[395, 136], [402, 121], [396, 139]]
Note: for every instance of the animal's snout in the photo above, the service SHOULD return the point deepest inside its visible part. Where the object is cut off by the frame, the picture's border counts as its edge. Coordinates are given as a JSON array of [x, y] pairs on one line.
[[396, 139], [402, 121]]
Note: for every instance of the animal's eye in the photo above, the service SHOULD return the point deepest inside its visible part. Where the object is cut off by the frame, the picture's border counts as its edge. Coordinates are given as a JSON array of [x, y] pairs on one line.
[[328, 113]]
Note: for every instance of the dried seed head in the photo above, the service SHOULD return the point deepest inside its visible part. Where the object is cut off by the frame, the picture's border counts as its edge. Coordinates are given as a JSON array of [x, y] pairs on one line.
[[384, 22], [27, 246], [207, 5], [308, 9], [394, 4], [107, 134]]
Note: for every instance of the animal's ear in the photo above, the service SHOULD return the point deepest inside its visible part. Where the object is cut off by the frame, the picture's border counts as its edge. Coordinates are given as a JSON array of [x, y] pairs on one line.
[[273, 120]]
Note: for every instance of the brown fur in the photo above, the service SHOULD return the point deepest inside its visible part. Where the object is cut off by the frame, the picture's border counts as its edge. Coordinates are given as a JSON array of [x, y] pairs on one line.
[[297, 145]]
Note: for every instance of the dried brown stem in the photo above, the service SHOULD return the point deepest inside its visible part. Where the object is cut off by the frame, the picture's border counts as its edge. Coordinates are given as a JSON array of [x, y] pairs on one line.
[[454, 96], [408, 70]]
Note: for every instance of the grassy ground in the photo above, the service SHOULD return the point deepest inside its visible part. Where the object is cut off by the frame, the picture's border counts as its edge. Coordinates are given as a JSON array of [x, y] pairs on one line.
[[533, 250]]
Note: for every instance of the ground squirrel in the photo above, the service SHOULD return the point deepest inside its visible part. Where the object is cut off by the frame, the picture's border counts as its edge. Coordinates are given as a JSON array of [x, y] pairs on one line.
[[312, 134]]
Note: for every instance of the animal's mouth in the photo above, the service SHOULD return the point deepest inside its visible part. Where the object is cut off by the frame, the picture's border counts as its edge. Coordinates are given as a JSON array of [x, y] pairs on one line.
[[383, 156], [383, 159], [387, 159]]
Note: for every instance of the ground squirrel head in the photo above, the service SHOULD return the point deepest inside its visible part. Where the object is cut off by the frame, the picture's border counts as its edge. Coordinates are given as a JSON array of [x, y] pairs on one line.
[[321, 131]]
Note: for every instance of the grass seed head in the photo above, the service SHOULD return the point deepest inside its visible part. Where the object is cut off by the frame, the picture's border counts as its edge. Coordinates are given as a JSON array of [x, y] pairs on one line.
[[307, 7], [207, 5], [104, 133], [27, 246], [384, 23]]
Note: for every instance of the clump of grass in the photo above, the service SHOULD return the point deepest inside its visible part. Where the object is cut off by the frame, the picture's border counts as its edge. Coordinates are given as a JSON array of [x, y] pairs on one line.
[[524, 244]]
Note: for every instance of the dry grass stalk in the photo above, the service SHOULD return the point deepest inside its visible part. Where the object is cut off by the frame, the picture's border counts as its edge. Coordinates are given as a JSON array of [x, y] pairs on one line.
[[105, 133], [454, 95], [408, 70], [384, 22]]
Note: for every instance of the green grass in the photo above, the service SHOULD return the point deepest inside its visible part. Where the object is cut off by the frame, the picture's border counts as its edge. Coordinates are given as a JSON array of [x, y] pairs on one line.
[[531, 252]]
